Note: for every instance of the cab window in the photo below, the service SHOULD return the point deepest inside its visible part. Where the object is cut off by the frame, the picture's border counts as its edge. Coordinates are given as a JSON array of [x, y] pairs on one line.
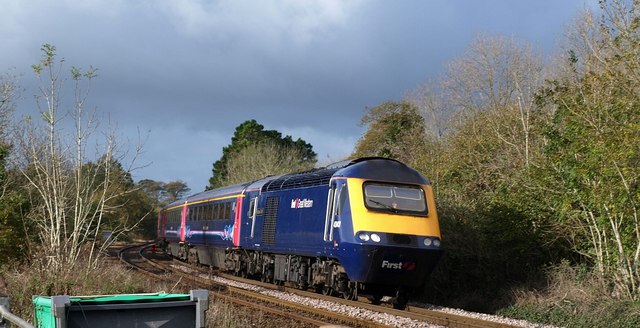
[[395, 198]]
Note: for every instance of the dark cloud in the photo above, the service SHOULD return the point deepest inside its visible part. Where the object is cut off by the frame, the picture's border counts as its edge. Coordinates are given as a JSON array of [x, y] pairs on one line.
[[190, 71]]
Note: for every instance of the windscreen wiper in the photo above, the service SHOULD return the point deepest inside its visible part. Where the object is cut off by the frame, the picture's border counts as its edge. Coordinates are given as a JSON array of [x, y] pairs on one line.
[[391, 208]]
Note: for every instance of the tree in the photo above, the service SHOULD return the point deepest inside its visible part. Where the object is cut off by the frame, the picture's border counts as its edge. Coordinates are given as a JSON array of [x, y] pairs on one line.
[[8, 95], [263, 159], [174, 190], [251, 133], [395, 130], [479, 144], [153, 189], [14, 231], [69, 197], [593, 159]]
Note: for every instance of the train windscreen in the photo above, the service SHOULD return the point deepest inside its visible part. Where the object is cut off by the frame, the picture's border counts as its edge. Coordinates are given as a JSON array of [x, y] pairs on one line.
[[400, 199]]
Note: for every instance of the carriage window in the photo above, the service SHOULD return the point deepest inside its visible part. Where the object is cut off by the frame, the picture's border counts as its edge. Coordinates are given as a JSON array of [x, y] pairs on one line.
[[216, 211], [400, 199], [227, 211], [208, 211], [224, 210]]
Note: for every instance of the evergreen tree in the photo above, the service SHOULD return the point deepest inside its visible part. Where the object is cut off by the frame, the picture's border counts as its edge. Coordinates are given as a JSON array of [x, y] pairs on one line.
[[251, 133]]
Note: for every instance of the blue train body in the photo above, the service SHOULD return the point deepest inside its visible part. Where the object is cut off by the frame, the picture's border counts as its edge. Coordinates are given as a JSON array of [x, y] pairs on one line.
[[365, 226]]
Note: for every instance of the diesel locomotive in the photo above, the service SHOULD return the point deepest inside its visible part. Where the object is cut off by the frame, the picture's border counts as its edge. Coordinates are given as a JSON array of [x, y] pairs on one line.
[[366, 226]]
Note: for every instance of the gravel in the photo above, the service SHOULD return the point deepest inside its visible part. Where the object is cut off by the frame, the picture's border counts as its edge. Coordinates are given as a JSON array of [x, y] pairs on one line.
[[364, 314]]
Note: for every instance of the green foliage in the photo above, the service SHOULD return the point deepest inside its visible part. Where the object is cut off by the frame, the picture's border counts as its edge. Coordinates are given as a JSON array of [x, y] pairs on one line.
[[395, 130], [148, 198], [251, 133], [48, 56], [592, 154], [566, 314], [14, 231], [122, 206], [77, 74]]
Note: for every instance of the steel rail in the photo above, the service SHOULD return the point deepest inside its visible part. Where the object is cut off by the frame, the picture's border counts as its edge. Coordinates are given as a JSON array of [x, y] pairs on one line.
[[279, 312], [268, 299], [412, 312], [222, 289]]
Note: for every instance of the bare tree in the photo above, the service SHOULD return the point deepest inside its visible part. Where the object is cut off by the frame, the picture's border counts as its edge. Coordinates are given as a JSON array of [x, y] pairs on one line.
[[69, 198], [501, 75], [8, 95]]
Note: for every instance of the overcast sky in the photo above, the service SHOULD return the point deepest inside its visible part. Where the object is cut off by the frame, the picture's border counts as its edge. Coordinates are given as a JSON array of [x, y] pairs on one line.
[[188, 72]]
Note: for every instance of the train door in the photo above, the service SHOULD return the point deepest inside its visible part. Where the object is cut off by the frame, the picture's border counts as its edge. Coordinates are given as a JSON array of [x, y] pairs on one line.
[[250, 226], [237, 221], [183, 221], [336, 199]]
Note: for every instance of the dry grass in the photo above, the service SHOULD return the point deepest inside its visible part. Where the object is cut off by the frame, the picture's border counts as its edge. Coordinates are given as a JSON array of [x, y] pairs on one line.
[[224, 314], [566, 285], [574, 297], [25, 280]]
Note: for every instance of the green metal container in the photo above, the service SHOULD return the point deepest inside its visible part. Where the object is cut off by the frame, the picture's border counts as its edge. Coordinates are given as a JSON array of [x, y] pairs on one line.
[[127, 310]]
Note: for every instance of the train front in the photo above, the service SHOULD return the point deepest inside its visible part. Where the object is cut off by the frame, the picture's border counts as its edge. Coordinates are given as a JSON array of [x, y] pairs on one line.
[[392, 241]]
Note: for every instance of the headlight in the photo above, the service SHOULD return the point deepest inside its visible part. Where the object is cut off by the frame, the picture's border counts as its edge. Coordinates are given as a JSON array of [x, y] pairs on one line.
[[375, 237], [427, 241], [363, 236], [436, 242]]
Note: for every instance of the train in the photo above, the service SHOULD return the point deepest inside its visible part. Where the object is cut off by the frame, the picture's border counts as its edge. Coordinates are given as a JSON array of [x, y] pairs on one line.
[[367, 226]]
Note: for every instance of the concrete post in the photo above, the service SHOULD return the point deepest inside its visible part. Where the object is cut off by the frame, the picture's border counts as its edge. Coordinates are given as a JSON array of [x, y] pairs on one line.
[[202, 305], [58, 307]]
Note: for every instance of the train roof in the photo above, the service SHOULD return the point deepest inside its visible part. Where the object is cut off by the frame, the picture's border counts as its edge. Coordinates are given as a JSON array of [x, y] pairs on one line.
[[375, 168]]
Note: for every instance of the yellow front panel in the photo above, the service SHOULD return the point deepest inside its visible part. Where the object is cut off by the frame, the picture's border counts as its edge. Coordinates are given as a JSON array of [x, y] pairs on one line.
[[371, 221]]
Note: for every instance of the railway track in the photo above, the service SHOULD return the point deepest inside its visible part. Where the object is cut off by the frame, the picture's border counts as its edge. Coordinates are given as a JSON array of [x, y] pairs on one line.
[[161, 267], [307, 307]]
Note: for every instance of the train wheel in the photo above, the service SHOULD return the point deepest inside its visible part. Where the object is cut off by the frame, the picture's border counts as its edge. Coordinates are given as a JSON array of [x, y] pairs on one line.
[[401, 300], [376, 299], [326, 290]]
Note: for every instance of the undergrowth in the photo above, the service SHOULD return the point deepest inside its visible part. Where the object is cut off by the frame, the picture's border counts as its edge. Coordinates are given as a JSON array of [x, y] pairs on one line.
[[22, 281], [574, 297]]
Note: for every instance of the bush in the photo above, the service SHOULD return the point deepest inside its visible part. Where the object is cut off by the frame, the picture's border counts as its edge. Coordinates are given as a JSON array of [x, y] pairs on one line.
[[575, 297]]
